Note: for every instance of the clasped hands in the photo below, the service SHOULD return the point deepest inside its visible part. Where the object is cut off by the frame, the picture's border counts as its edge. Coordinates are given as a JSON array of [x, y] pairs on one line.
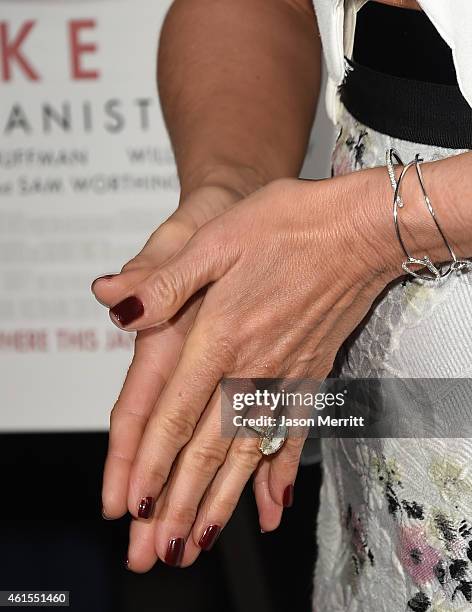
[[267, 285]]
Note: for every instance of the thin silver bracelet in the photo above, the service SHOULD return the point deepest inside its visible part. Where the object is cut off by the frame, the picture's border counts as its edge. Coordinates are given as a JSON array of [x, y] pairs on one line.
[[456, 265]]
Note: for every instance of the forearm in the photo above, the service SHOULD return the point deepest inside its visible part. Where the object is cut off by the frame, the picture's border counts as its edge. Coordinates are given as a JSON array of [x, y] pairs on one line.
[[238, 82]]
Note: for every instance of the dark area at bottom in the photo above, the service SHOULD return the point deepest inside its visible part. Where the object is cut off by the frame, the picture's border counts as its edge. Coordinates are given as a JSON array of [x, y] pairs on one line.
[[52, 536]]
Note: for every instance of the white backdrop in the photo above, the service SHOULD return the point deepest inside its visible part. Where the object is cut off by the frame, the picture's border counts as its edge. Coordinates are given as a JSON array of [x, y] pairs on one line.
[[86, 173]]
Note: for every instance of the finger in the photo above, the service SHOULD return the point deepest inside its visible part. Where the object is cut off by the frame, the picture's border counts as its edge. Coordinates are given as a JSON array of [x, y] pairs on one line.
[[177, 548], [161, 245], [108, 289], [283, 465], [144, 381], [155, 356], [194, 470], [225, 490], [174, 418], [157, 298], [283, 471], [270, 512], [142, 554]]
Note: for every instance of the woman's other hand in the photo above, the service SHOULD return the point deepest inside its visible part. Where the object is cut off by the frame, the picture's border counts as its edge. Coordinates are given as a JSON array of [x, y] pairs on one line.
[[156, 349]]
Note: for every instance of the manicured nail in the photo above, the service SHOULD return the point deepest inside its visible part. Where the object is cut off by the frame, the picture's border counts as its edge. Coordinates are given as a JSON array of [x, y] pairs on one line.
[[127, 311], [145, 507], [209, 537], [126, 563], [262, 531], [105, 277], [175, 551], [288, 496]]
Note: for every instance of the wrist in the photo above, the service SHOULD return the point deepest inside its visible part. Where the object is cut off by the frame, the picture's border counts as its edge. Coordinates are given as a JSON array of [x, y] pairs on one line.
[[369, 200], [213, 190], [235, 179], [419, 230]]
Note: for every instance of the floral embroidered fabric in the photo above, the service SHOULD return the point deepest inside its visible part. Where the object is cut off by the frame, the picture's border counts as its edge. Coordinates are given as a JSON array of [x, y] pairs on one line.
[[395, 518]]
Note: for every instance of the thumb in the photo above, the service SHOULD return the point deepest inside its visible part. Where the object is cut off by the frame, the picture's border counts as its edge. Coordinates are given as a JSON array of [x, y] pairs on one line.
[[163, 243], [110, 288], [159, 296]]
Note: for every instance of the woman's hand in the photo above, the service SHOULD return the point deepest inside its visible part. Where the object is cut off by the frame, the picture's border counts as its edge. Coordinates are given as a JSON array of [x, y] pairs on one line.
[[156, 349], [290, 271]]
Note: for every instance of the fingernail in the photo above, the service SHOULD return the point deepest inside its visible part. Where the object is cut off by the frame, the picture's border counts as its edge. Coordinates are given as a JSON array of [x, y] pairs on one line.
[[126, 563], [262, 531], [145, 507], [128, 310], [175, 551], [288, 496], [105, 277], [209, 537], [107, 518]]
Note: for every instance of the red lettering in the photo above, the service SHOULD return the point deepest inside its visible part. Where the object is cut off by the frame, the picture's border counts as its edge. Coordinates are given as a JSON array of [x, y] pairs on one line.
[[76, 340], [24, 340], [10, 51], [77, 49]]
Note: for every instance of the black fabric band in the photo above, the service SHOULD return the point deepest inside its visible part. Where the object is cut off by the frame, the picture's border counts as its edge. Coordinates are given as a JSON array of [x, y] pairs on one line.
[[402, 42], [429, 113]]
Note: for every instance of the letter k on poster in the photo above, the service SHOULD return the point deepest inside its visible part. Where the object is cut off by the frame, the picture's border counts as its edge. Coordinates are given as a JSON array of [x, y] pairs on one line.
[[86, 174]]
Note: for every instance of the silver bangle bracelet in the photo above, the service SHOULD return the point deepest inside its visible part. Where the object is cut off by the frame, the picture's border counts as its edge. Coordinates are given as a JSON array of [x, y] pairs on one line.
[[456, 265]]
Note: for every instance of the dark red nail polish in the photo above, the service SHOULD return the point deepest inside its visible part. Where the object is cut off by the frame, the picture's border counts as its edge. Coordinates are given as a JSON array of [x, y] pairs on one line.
[[209, 537], [288, 496], [175, 551], [145, 507], [105, 276], [127, 311]]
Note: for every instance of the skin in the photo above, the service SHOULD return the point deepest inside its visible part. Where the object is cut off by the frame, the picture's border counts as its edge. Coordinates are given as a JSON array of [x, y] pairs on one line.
[[217, 167], [302, 261]]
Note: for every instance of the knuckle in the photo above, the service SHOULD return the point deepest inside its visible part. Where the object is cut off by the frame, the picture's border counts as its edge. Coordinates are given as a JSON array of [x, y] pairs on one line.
[[157, 473], [227, 351], [116, 415], [291, 450], [153, 472], [165, 289], [177, 426], [122, 417], [217, 243], [221, 351], [246, 456], [207, 458], [273, 368], [224, 506], [179, 512]]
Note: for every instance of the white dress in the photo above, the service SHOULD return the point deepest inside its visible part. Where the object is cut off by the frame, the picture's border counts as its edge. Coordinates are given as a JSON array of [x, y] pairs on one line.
[[395, 518]]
